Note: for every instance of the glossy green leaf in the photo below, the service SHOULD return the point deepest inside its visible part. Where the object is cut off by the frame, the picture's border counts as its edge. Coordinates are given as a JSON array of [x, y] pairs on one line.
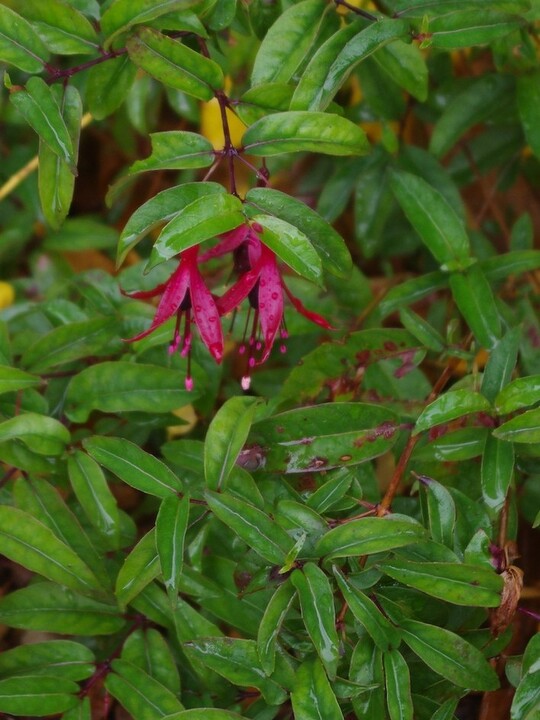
[[453, 404], [54, 608], [473, 105], [526, 700], [291, 246], [406, 65], [204, 714], [312, 696], [518, 394], [133, 465], [94, 494], [55, 180], [20, 45], [121, 15], [141, 695], [161, 209], [238, 662], [449, 655], [501, 363], [34, 546], [324, 238], [469, 27], [322, 437], [171, 526], [331, 491], [367, 669], [149, 650], [472, 585], [421, 329], [255, 527], [125, 387], [528, 101], [37, 695], [175, 150], [270, 627], [175, 64], [225, 438], [298, 131], [140, 567], [286, 43], [262, 100], [454, 446], [370, 535], [524, 428], [383, 633], [63, 29], [108, 85], [441, 511], [437, 224], [497, 472], [56, 658], [81, 711], [13, 379], [474, 298], [338, 56], [445, 711], [202, 219], [43, 435], [410, 291], [398, 686], [37, 103], [70, 342]]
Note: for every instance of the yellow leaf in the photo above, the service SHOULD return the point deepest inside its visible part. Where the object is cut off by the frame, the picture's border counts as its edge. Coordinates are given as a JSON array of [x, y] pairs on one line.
[[7, 295]]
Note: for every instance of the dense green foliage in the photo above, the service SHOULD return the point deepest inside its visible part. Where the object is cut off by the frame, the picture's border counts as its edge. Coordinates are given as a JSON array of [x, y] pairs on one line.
[[308, 520]]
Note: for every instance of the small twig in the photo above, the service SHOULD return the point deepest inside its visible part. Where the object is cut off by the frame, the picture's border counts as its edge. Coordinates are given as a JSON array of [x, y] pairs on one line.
[[358, 11]]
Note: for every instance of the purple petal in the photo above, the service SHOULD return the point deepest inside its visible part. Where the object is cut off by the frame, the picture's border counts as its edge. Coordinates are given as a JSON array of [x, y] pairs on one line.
[[206, 314], [270, 300], [229, 241], [239, 291], [314, 317]]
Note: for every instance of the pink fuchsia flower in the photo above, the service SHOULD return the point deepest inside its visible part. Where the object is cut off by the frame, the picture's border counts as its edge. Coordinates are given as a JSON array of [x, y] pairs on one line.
[[186, 295], [262, 284]]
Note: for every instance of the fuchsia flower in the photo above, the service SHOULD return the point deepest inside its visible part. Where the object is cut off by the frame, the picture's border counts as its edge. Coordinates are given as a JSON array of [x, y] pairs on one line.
[[263, 285], [186, 295]]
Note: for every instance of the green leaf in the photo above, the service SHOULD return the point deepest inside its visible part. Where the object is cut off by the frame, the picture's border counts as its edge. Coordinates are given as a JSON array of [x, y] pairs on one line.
[[474, 298], [55, 180], [497, 472], [133, 465], [174, 64], [34, 546], [322, 437], [524, 428], [331, 491], [297, 131], [225, 438], [43, 435], [175, 150], [270, 626], [370, 535], [171, 526], [450, 656], [202, 219], [435, 221], [485, 96], [312, 696], [13, 379], [398, 686], [237, 661], [64, 30], [291, 246], [149, 650], [53, 608], [69, 342], [518, 394], [338, 56], [139, 569], [441, 511], [318, 613], [421, 329], [20, 45], [37, 695], [405, 65], [328, 243], [469, 27], [56, 658], [526, 700], [115, 387], [528, 102], [287, 42], [141, 695], [261, 100], [449, 406], [471, 585], [204, 714], [255, 527], [501, 363], [108, 85], [410, 291], [37, 103], [367, 669], [94, 495], [160, 209], [81, 711], [121, 15], [384, 634]]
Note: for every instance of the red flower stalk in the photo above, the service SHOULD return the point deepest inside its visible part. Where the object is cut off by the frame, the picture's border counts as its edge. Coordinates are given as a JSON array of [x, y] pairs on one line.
[[262, 284], [186, 295]]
